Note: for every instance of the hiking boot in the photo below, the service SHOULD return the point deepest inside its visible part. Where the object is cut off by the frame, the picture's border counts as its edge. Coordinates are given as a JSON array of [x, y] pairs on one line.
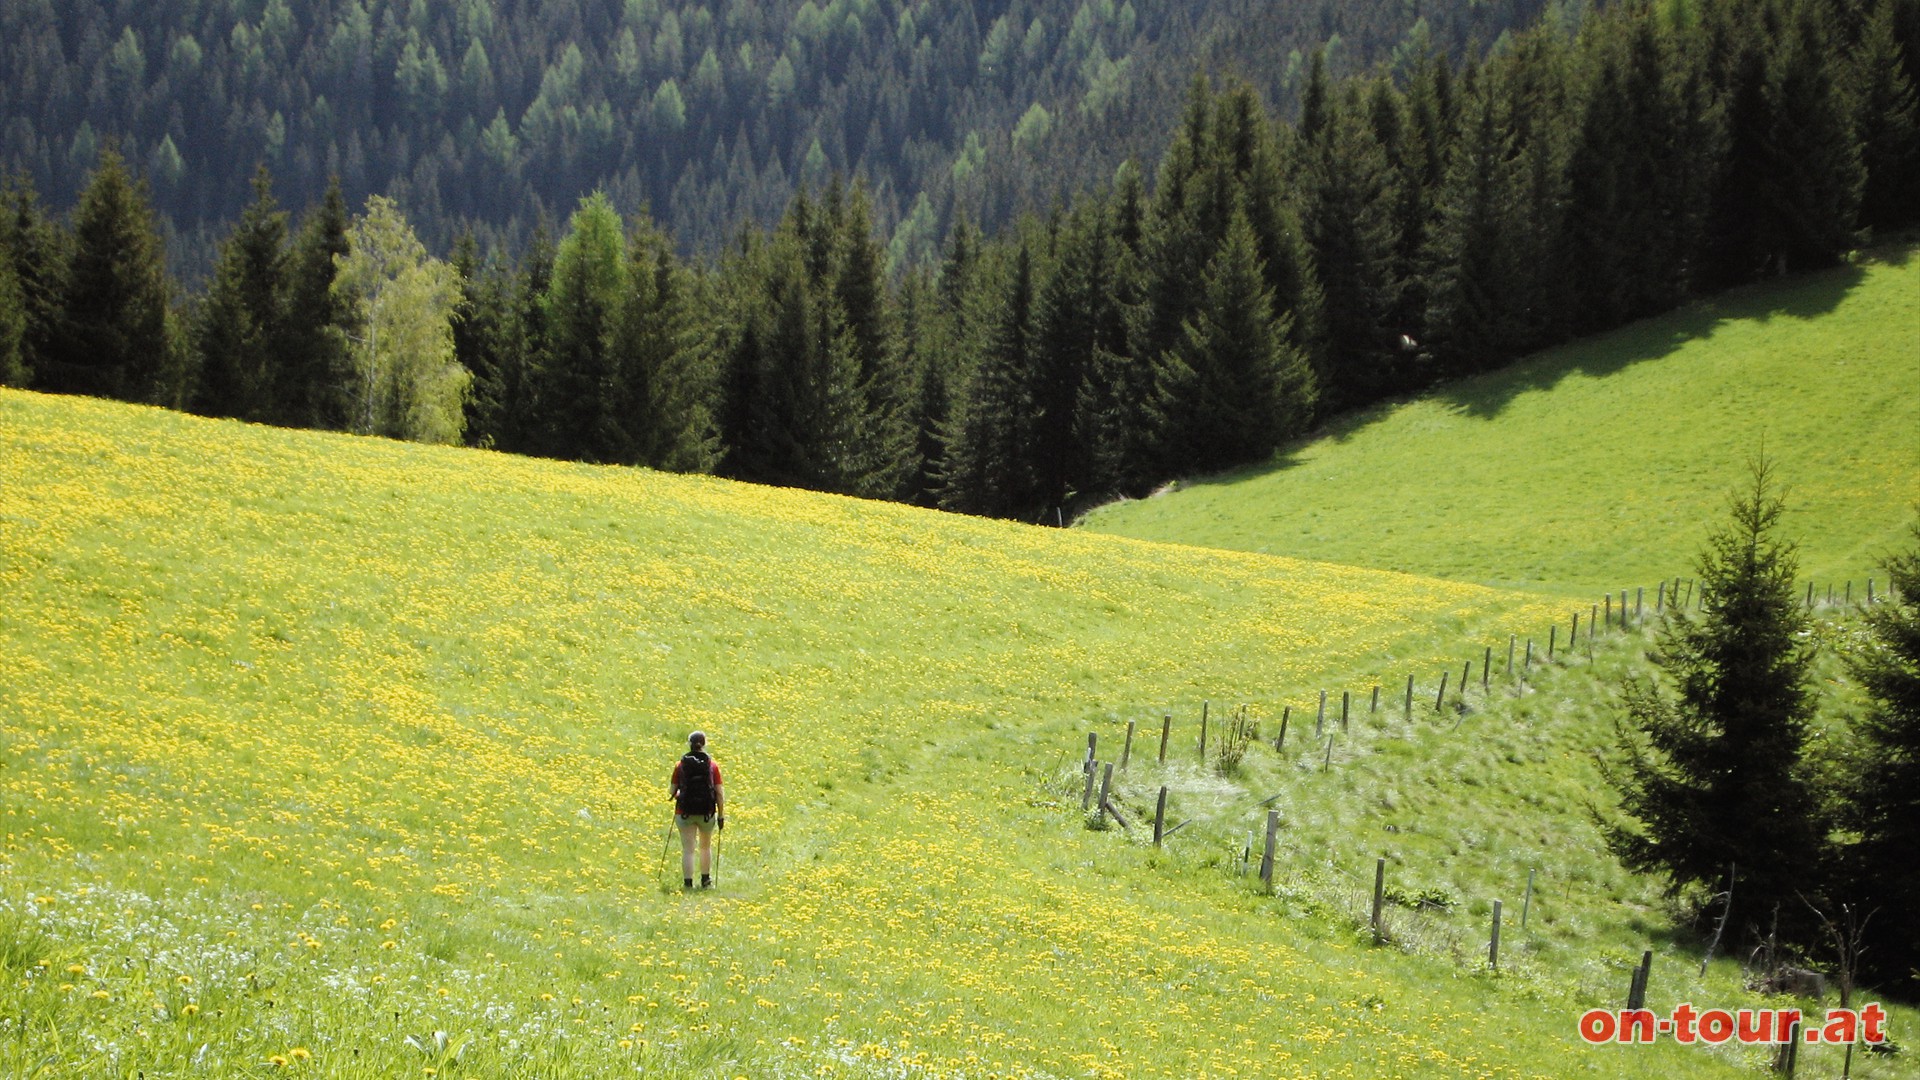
[[706, 881], [686, 883]]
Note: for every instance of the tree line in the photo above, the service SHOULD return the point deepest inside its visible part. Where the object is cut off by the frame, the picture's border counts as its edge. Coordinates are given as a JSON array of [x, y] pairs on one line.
[[1803, 837], [1406, 228]]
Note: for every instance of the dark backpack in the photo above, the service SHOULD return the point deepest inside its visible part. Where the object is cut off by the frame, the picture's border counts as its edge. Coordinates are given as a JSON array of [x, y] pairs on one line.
[[696, 785]]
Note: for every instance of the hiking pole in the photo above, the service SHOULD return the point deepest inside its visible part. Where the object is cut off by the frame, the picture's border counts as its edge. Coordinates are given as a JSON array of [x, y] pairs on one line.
[[665, 847]]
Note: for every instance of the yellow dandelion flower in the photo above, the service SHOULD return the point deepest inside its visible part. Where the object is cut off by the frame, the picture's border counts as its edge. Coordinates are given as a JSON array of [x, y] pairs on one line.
[[189, 1009]]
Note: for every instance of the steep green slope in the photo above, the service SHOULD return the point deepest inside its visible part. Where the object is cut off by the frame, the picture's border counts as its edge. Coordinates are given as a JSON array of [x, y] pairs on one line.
[[1603, 463]]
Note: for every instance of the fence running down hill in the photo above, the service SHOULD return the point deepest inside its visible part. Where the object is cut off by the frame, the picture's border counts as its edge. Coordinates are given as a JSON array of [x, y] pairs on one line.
[[1390, 914]]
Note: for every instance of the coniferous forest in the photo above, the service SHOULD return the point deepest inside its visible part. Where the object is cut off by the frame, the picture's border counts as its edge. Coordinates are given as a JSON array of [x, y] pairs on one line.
[[493, 116], [1278, 258]]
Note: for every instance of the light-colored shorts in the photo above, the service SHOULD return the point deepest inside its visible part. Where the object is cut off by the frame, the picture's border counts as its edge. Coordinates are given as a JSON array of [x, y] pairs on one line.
[[703, 822]]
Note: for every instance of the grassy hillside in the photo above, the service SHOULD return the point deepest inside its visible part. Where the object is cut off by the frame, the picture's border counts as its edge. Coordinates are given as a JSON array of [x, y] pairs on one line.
[[315, 745], [1603, 463]]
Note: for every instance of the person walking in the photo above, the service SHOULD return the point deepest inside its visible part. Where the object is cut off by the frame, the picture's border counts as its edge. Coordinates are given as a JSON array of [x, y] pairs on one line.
[[699, 808]]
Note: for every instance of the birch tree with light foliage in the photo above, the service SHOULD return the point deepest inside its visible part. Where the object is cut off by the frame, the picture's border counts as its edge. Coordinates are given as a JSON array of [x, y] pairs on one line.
[[407, 384]]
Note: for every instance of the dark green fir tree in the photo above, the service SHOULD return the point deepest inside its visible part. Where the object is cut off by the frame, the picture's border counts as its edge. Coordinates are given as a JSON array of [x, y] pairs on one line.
[[1714, 773]]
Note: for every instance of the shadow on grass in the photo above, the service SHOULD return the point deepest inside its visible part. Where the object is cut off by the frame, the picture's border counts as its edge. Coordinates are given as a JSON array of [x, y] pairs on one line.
[[1486, 396]]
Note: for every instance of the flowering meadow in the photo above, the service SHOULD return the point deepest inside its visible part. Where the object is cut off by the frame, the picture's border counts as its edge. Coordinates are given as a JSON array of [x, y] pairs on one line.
[[335, 756]]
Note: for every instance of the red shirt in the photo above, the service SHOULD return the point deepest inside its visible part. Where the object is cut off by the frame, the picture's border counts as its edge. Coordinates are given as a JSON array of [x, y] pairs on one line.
[[712, 764]]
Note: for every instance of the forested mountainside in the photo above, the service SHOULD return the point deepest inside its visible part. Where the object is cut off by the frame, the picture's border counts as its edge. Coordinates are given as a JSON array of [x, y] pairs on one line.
[[1265, 276], [492, 115]]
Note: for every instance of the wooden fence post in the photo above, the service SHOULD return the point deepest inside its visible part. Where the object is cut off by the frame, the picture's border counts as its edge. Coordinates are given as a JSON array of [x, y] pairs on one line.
[[1574, 637], [1203, 732], [1609, 611], [1166, 725], [1493, 947], [1126, 750], [1637, 995], [1486, 668], [1093, 738], [1440, 699], [1660, 598], [1526, 904], [1160, 816], [1345, 698], [1086, 797], [1590, 622], [1266, 857], [1639, 601], [1409, 698], [1512, 640], [1809, 596], [1848, 599], [1320, 718], [1553, 632], [1464, 673], [1327, 762], [1106, 786], [1375, 707], [1528, 665], [1869, 592], [1281, 742], [1379, 893]]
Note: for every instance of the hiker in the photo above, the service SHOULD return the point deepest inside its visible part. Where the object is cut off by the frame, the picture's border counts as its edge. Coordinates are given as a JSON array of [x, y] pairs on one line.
[[698, 807]]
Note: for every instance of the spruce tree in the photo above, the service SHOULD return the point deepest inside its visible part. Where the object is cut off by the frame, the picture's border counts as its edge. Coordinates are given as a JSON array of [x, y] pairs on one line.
[[1886, 124], [1478, 275], [806, 415], [1714, 746], [1349, 224], [241, 329], [989, 453], [580, 418], [662, 392], [860, 290], [1071, 322], [1234, 389], [1814, 180], [1636, 197], [1883, 807], [525, 351], [310, 390], [37, 250], [477, 324], [1739, 236], [114, 338], [13, 324], [920, 356]]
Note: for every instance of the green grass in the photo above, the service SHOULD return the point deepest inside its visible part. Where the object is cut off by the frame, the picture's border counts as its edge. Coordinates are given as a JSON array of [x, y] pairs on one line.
[[1604, 463], [324, 744]]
